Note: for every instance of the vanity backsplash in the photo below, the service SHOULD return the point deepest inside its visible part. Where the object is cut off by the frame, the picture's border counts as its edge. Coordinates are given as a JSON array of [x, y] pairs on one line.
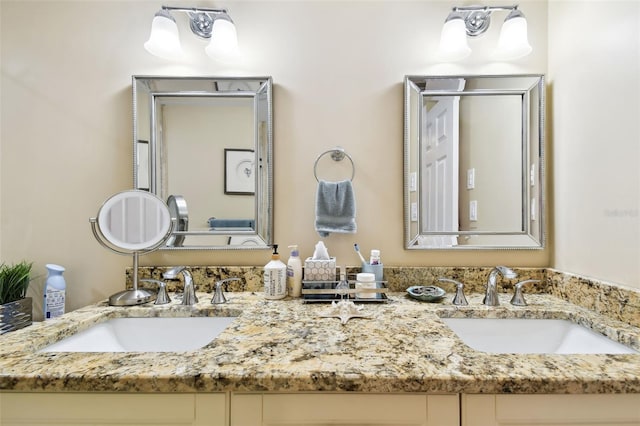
[[611, 300], [614, 301]]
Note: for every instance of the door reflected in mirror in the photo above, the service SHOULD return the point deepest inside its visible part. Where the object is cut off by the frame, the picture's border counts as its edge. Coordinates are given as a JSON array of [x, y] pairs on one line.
[[208, 143], [473, 162]]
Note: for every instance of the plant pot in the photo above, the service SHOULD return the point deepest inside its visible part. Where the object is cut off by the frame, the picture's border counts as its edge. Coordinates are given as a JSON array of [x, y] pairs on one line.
[[16, 315]]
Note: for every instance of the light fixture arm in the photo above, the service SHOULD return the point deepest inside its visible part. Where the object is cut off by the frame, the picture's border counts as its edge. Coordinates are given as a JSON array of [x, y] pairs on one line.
[[200, 18], [194, 9], [483, 8], [478, 18]]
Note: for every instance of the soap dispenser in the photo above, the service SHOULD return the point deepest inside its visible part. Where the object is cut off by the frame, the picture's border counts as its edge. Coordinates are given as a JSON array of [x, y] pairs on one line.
[[275, 277]]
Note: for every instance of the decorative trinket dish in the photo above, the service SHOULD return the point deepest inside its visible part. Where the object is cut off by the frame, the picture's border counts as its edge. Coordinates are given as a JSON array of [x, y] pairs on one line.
[[430, 293]]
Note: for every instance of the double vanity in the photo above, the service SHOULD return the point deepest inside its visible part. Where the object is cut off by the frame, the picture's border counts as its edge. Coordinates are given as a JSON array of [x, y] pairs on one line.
[[569, 355], [274, 362]]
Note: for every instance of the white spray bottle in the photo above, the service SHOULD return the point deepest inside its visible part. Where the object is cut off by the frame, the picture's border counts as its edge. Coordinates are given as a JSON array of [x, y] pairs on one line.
[[54, 292]]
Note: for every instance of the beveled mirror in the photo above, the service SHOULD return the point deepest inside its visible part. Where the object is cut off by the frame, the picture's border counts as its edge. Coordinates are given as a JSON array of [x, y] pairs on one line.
[[474, 162], [204, 145]]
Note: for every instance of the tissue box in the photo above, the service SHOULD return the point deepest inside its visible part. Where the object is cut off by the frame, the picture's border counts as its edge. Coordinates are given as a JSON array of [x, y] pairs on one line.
[[320, 270]]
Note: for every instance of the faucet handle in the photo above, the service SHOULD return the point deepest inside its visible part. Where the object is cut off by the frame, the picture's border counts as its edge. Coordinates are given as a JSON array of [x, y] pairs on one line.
[[163, 297], [459, 299], [518, 297], [218, 296]]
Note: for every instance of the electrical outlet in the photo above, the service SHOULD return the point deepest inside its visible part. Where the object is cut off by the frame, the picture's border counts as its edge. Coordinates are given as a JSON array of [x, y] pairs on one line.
[[534, 209], [473, 210], [471, 178], [532, 175], [413, 182], [414, 212]]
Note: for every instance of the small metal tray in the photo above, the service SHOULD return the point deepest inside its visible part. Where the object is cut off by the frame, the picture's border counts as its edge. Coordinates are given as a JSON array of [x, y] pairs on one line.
[[326, 292]]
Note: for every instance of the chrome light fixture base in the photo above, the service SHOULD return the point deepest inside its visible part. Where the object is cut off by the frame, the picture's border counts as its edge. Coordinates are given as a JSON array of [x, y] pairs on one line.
[[477, 19], [477, 22], [201, 24]]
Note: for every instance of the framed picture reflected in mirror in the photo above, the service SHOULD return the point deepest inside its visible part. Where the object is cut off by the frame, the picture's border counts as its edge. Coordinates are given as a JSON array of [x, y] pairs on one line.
[[239, 171]]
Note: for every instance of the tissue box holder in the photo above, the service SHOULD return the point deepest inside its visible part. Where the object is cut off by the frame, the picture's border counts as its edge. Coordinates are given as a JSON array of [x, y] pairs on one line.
[[320, 270]]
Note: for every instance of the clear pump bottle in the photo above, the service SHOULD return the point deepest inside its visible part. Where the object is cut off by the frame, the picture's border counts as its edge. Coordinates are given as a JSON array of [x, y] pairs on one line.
[[294, 272]]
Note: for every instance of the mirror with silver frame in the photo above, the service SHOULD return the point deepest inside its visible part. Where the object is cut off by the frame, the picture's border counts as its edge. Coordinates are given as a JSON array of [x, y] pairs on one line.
[[474, 162], [204, 145]]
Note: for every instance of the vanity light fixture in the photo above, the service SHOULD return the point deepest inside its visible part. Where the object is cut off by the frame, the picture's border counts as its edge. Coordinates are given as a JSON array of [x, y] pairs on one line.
[[213, 24], [472, 21]]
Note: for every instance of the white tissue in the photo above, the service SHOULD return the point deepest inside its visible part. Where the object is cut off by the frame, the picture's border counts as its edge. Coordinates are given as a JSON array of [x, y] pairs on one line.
[[321, 253]]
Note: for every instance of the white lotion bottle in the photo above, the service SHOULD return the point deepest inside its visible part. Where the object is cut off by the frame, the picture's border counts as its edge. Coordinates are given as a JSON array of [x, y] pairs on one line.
[[294, 272], [275, 277]]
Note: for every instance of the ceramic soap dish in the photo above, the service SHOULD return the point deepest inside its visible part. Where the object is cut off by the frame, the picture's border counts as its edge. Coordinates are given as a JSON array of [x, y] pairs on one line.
[[430, 293]]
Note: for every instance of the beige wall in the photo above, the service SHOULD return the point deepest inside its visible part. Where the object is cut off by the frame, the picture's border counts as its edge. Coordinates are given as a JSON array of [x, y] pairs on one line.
[[195, 138], [337, 68], [595, 92]]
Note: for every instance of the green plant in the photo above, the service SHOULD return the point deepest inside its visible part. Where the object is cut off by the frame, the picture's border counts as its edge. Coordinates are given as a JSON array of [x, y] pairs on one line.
[[14, 281]]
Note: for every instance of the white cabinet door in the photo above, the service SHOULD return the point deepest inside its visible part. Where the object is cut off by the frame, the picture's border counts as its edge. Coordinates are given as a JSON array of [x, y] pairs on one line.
[[551, 410], [321, 409], [113, 409]]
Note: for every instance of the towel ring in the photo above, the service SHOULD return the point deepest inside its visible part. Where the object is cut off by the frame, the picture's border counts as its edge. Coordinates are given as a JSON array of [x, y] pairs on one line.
[[337, 154]]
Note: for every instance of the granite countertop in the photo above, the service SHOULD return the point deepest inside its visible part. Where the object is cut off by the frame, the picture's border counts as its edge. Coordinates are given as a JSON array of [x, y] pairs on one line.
[[285, 346]]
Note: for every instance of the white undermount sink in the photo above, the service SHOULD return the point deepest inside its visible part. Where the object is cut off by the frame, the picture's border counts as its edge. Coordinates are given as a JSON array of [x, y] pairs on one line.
[[144, 335], [532, 336]]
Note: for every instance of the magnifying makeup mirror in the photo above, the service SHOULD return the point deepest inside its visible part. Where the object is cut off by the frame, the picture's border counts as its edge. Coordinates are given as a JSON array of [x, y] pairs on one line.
[[132, 223]]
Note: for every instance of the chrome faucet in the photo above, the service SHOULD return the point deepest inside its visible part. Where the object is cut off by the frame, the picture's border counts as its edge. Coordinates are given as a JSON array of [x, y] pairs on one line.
[[459, 299], [162, 297], [491, 296], [189, 295], [518, 297], [218, 296]]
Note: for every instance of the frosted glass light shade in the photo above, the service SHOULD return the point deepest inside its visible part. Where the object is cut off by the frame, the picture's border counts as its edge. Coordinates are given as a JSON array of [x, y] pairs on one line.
[[164, 40], [453, 40], [513, 42], [224, 40]]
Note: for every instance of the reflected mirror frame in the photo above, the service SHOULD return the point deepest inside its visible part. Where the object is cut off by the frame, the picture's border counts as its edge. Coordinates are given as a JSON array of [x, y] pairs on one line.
[[533, 95], [236, 87]]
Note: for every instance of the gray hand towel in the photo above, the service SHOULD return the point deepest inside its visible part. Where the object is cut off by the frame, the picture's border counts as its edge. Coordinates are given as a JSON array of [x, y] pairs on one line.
[[335, 208]]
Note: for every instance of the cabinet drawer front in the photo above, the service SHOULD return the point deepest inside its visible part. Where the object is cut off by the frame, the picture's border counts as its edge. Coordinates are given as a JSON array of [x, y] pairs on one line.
[[407, 409], [100, 408], [574, 410], [569, 409], [315, 409]]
